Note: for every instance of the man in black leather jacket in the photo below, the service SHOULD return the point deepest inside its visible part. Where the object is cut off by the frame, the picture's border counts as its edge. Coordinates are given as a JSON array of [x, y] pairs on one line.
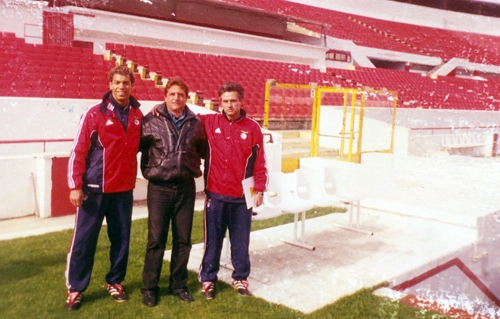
[[172, 146]]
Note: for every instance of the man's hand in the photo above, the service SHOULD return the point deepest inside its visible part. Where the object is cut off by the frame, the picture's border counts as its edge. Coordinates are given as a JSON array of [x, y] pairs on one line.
[[153, 110], [258, 200], [76, 197]]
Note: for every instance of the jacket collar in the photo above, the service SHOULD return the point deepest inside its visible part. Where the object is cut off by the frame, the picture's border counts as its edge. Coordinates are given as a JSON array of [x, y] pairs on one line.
[[162, 109], [243, 114], [106, 100]]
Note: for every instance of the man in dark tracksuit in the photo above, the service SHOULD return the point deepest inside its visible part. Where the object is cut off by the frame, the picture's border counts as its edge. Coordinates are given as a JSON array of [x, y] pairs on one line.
[[102, 171], [172, 145]]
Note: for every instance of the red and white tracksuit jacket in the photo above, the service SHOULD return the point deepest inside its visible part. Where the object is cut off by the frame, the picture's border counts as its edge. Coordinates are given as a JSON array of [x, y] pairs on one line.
[[104, 156], [235, 152]]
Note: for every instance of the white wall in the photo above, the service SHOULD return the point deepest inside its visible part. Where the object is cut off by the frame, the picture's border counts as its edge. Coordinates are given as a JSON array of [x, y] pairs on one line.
[[376, 130], [428, 129], [22, 18], [36, 118], [419, 132], [462, 187], [17, 186], [20, 171], [23, 169], [451, 189]]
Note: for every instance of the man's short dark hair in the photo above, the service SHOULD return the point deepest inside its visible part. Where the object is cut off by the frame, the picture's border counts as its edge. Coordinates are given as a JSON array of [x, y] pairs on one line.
[[123, 70], [232, 87], [180, 83]]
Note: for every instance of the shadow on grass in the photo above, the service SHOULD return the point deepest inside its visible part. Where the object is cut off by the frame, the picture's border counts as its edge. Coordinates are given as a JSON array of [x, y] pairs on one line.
[[25, 268]]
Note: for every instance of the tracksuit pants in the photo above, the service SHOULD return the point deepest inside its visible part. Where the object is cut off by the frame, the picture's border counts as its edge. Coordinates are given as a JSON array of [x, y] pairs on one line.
[[117, 208], [169, 204], [220, 216]]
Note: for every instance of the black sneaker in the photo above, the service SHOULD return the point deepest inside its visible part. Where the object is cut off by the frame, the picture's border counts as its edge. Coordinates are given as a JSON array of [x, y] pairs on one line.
[[149, 298], [116, 291], [242, 287], [74, 300], [207, 290], [184, 296]]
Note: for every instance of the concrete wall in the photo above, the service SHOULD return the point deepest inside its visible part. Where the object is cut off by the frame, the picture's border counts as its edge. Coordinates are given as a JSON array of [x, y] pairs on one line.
[[36, 119], [451, 189], [101, 27], [25, 169], [17, 186], [454, 189], [22, 18], [376, 130], [418, 132], [429, 131]]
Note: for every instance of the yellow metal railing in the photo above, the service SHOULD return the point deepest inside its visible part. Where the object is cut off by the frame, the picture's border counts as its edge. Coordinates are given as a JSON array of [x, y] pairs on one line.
[[357, 99]]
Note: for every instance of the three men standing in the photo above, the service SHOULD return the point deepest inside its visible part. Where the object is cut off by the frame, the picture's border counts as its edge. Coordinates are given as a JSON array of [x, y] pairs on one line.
[[102, 172]]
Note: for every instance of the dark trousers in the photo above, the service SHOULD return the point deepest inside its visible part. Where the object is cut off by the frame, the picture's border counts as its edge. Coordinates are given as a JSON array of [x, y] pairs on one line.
[[117, 208], [220, 216], [169, 204]]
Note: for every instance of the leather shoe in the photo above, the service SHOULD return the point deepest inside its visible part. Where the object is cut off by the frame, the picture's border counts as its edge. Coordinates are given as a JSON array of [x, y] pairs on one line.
[[184, 296], [149, 298]]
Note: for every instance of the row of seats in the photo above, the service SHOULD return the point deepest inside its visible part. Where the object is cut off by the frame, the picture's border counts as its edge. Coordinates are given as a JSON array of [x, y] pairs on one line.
[[321, 186], [205, 72], [389, 35], [29, 74], [51, 71], [417, 90]]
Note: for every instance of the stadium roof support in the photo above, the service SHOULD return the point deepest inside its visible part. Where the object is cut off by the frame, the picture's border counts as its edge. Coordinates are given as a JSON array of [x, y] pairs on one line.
[[212, 14]]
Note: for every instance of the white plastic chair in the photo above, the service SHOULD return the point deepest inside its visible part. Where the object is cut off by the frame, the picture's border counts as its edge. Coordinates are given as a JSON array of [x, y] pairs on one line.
[[265, 212], [329, 182], [351, 187], [313, 187], [280, 196]]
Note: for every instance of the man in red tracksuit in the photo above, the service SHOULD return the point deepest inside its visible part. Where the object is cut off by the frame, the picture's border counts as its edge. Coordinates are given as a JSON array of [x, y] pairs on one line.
[[236, 152], [102, 171]]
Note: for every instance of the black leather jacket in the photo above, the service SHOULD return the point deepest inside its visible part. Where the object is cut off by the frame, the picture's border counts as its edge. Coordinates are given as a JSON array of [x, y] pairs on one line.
[[170, 155]]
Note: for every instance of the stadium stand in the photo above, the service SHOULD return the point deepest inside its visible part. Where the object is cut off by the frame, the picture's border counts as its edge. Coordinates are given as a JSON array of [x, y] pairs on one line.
[[205, 72], [390, 35], [73, 72], [50, 71], [32, 70]]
